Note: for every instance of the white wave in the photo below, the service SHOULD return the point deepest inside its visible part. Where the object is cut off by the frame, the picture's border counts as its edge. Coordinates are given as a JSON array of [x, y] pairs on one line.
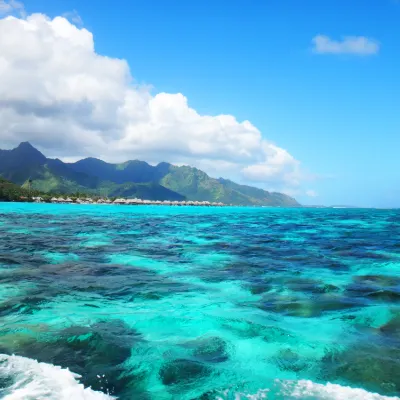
[[32, 380], [306, 390]]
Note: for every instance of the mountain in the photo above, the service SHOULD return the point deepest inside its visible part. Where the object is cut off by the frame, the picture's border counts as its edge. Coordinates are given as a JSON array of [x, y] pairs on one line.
[[25, 162], [260, 196], [129, 179], [190, 182], [130, 171]]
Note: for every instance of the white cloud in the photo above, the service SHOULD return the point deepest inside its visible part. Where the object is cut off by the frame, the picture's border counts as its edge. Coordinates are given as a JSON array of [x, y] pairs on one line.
[[311, 193], [278, 165], [356, 45], [11, 6], [58, 93]]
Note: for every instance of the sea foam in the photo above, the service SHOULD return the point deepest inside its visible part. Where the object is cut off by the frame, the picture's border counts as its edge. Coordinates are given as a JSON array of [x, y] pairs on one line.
[[305, 390], [32, 380]]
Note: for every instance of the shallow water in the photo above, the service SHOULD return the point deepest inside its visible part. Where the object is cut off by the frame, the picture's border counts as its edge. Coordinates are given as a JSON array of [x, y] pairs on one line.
[[199, 303]]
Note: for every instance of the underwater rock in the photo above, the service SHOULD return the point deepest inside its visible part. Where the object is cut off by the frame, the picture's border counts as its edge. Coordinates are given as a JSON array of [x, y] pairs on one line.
[[182, 371], [7, 260], [307, 308], [243, 329], [359, 290], [23, 304], [308, 285], [389, 296], [248, 329], [375, 287], [13, 342], [376, 369], [288, 360], [244, 270], [392, 327], [259, 288], [334, 302], [211, 349], [377, 280], [301, 284], [327, 288]]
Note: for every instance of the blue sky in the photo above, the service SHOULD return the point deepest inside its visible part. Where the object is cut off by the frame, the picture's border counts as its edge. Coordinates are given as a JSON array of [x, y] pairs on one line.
[[338, 114]]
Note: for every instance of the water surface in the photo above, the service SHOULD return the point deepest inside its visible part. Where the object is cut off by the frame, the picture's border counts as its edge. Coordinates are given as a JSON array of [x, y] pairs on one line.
[[198, 303]]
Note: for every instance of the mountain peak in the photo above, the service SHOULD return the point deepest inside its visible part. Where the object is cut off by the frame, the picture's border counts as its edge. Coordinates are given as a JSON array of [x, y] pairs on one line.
[[25, 145], [164, 164], [28, 152]]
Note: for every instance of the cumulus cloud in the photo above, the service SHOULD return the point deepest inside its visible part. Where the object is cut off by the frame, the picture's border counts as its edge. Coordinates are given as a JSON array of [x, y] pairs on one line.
[[58, 93], [356, 45]]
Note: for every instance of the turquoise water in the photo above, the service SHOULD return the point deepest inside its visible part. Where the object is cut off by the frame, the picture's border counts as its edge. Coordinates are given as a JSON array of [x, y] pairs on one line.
[[198, 303]]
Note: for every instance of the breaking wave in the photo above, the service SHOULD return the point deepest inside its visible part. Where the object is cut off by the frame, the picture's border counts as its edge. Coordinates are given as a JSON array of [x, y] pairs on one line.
[[305, 390], [26, 379]]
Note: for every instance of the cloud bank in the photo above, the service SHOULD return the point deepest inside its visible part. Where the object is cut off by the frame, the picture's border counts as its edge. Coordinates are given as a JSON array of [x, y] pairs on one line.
[[356, 45], [58, 93]]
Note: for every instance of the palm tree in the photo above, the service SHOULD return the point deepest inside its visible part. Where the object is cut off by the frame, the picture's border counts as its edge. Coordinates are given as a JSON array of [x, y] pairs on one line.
[[30, 186]]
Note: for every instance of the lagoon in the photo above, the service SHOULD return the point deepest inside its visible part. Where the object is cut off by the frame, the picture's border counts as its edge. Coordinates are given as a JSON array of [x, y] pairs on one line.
[[199, 303]]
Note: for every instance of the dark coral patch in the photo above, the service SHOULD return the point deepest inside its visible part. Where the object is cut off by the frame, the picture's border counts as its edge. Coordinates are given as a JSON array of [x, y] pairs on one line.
[[183, 371]]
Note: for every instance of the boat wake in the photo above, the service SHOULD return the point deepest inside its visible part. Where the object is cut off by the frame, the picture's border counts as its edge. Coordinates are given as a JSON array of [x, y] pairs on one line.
[[26, 379], [305, 390]]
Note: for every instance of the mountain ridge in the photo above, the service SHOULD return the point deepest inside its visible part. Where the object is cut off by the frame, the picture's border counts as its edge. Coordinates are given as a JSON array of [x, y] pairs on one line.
[[133, 178]]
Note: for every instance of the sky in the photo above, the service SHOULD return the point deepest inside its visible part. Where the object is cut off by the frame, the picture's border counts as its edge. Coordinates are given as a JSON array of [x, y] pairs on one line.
[[300, 97]]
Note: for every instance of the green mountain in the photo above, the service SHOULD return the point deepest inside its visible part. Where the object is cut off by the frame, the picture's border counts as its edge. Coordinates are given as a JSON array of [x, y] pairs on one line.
[[190, 182], [130, 171], [129, 179], [260, 196], [47, 175]]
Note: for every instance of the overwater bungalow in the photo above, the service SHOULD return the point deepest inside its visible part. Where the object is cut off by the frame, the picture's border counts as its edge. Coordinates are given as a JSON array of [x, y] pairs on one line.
[[134, 201], [120, 201]]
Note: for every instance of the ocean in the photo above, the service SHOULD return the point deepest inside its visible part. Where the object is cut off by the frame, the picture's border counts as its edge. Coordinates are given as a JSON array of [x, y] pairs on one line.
[[102, 302]]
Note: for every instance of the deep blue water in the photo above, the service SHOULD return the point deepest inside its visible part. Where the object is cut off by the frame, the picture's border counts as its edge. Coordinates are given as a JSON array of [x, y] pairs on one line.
[[198, 303]]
